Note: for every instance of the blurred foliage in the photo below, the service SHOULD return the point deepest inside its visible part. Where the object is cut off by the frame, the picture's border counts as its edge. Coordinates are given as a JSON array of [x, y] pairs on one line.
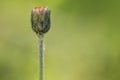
[[83, 43]]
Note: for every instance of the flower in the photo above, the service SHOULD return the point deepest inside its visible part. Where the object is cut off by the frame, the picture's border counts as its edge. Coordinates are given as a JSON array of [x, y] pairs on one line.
[[40, 20]]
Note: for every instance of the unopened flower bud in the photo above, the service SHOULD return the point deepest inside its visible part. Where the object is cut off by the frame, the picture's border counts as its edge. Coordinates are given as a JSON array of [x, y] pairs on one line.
[[40, 20]]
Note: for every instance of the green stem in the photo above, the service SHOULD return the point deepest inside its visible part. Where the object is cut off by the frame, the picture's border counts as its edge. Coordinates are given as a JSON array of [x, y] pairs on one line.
[[41, 57]]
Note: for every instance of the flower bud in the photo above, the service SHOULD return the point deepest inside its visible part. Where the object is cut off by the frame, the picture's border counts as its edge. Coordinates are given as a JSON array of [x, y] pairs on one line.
[[40, 20]]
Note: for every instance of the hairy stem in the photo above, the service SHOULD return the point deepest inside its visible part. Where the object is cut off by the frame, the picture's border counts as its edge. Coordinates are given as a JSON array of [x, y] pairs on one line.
[[41, 57]]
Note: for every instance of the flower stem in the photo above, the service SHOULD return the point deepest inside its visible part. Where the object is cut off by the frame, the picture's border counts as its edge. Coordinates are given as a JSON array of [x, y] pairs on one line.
[[41, 57]]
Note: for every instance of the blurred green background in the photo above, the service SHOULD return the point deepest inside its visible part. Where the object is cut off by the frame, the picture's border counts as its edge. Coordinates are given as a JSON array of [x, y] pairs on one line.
[[83, 43]]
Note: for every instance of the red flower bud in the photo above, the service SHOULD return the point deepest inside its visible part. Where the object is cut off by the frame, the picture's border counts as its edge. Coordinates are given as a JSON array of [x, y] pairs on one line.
[[40, 20]]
